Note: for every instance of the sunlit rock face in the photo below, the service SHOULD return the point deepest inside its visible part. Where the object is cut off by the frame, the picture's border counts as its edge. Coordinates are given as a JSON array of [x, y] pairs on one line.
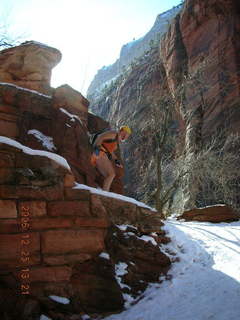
[[197, 64], [29, 65]]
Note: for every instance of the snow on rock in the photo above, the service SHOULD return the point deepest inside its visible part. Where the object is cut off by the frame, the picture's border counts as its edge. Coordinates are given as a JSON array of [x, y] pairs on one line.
[[112, 195], [45, 140], [104, 255], [124, 227], [25, 89], [70, 115], [148, 239], [53, 156], [121, 270], [60, 299], [205, 283], [43, 317]]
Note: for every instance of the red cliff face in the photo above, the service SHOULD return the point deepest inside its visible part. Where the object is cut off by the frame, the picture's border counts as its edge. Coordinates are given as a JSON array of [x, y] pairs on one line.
[[200, 53], [200, 56]]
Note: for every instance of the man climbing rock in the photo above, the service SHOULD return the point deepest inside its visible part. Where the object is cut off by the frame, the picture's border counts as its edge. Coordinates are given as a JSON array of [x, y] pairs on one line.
[[103, 156]]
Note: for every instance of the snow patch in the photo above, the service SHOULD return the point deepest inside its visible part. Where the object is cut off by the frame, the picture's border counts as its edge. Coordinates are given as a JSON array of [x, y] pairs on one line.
[[121, 270], [53, 156], [45, 140], [43, 317], [25, 89], [112, 195], [73, 117], [148, 239], [124, 227], [205, 283], [60, 299], [104, 255]]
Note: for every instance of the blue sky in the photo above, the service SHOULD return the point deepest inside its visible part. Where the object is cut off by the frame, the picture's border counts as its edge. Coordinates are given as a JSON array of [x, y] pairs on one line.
[[89, 33]]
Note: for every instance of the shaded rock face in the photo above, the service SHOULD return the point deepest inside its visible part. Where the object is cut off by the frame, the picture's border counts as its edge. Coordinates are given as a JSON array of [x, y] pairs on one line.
[[135, 101], [39, 122], [210, 58], [29, 65], [201, 47], [198, 66]]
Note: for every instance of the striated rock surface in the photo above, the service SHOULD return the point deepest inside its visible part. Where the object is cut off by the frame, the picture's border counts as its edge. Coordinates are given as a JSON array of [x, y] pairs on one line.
[[29, 65], [199, 54]]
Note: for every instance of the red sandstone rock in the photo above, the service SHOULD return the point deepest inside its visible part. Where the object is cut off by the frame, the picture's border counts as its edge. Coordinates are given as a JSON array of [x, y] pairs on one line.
[[69, 208], [218, 213], [67, 98], [6, 159], [92, 222], [50, 223], [76, 194], [66, 259], [70, 241], [35, 208], [50, 274], [95, 286], [16, 254], [97, 207], [8, 209], [31, 193], [189, 49], [29, 65]]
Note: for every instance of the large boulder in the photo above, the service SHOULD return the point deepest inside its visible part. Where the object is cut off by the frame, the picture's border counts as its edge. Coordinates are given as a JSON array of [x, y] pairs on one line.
[[218, 213], [29, 65]]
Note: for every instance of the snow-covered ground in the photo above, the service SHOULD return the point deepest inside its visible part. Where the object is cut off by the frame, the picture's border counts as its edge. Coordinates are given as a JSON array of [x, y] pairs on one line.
[[205, 283]]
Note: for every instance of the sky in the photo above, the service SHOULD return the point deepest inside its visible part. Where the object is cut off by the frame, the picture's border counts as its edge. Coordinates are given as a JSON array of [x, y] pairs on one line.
[[89, 33]]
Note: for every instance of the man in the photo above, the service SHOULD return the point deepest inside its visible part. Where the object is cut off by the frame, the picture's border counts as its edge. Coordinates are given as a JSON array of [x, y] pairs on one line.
[[104, 146]]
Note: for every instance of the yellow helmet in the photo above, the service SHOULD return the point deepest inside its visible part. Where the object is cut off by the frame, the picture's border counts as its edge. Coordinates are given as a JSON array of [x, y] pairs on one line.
[[126, 128]]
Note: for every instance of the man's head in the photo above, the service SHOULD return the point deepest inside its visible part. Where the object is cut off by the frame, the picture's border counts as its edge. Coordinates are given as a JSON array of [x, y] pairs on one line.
[[124, 133]]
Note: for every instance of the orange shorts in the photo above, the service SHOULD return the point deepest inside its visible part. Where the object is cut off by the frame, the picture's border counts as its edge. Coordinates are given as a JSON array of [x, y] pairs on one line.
[[94, 157]]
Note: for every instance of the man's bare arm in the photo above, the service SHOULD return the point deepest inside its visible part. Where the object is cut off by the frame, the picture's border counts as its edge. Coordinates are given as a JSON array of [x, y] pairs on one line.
[[105, 135]]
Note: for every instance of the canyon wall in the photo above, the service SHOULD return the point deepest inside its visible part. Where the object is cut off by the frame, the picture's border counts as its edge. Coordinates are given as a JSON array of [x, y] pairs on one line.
[[197, 68], [131, 51]]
